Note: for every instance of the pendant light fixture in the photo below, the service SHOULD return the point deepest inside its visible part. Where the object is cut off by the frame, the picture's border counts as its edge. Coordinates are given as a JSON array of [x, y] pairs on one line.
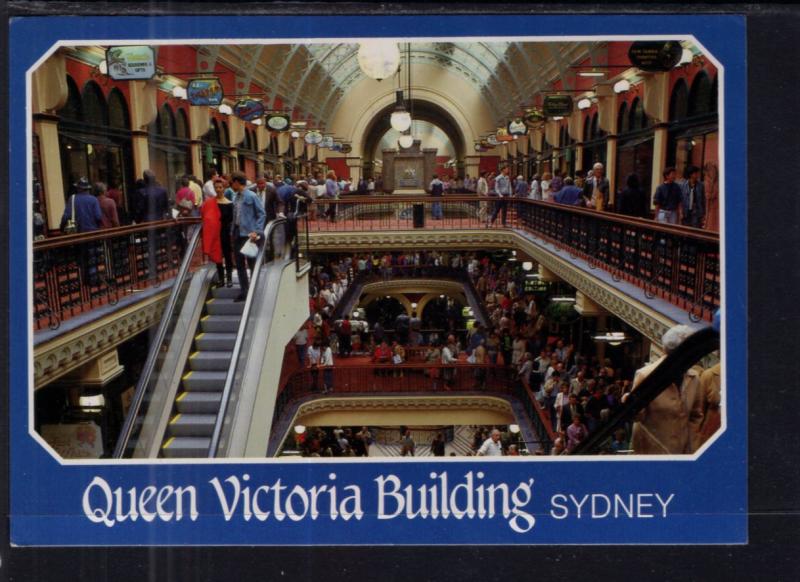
[[378, 58]]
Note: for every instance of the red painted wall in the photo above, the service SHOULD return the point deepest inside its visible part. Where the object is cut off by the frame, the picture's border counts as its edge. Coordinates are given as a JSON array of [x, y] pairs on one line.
[[339, 165], [489, 163]]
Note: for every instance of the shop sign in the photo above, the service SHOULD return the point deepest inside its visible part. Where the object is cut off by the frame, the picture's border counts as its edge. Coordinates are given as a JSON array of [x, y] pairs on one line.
[[278, 122], [248, 109], [533, 117], [204, 92], [557, 106], [502, 135], [337, 146], [128, 63], [517, 127], [492, 141], [313, 137], [482, 146], [327, 142], [655, 56], [346, 148]]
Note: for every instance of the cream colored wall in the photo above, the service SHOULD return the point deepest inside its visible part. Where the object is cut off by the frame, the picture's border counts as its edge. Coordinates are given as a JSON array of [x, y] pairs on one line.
[[455, 95], [369, 416]]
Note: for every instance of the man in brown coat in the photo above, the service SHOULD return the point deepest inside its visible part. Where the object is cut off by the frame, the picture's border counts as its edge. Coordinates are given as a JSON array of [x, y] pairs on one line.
[[670, 424], [710, 384]]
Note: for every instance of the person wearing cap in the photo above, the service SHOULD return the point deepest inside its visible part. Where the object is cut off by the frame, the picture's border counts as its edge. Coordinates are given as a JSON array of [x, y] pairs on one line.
[[88, 215]]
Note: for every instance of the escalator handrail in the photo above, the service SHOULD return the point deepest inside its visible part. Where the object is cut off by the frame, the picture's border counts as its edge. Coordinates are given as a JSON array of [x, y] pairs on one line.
[[694, 347], [152, 356], [237, 347]]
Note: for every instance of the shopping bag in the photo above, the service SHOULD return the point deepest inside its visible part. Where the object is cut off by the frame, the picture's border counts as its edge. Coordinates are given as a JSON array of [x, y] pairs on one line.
[[249, 249]]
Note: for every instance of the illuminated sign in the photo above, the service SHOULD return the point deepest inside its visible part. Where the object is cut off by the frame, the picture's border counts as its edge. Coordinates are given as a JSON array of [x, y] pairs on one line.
[[278, 122], [248, 109], [204, 92]]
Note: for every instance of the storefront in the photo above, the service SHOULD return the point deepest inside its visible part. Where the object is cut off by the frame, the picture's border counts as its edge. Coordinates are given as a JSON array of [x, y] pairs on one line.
[[694, 136], [215, 148], [634, 146], [566, 147], [168, 140], [594, 143], [95, 139]]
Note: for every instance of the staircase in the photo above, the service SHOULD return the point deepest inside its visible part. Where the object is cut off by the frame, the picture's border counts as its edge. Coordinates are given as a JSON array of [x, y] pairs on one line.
[[461, 445], [197, 404]]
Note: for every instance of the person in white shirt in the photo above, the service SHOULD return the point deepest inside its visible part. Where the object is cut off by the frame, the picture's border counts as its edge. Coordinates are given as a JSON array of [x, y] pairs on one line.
[[371, 186], [482, 190], [449, 357], [536, 189], [314, 357], [208, 187], [491, 447], [326, 363]]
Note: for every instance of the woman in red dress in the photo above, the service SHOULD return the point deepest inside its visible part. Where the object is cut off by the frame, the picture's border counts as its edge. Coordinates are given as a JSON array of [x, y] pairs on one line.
[[212, 242]]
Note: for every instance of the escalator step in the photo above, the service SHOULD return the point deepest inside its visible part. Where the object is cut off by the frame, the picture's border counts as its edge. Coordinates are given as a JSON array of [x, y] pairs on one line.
[[215, 341], [220, 323], [204, 381], [192, 425], [226, 292], [224, 307], [211, 361], [183, 447], [199, 402]]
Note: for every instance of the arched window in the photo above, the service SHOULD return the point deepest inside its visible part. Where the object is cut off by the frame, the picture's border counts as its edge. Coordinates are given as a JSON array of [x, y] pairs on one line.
[[181, 125], [622, 119], [213, 132], [118, 110], [712, 104], [700, 95], [638, 119], [587, 128], [72, 108], [93, 105], [166, 121], [595, 133], [679, 101], [225, 135]]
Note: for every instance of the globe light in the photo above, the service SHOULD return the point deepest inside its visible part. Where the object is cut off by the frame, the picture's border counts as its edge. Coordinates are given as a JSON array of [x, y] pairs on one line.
[[295, 134], [257, 121], [406, 141], [299, 429], [686, 57], [584, 103], [225, 109], [400, 120], [103, 67], [179, 92], [527, 266], [622, 86], [378, 58]]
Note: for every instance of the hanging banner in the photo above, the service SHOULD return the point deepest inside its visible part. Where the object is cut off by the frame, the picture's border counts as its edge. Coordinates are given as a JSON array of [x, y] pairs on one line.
[[129, 63], [278, 122], [557, 106], [248, 109], [655, 56], [204, 92], [313, 137], [517, 127]]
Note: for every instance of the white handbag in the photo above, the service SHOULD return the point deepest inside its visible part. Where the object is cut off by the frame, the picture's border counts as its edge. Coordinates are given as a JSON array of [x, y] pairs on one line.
[[249, 249]]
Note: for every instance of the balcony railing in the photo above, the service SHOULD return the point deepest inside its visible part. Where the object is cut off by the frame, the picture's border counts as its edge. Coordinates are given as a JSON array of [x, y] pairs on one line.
[[676, 263], [76, 273], [414, 378]]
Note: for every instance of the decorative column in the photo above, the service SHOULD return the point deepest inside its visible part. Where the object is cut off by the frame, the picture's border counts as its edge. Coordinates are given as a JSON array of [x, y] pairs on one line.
[[607, 119], [199, 122], [656, 106], [472, 166], [49, 94], [354, 165], [46, 128], [262, 141], [143, 109]]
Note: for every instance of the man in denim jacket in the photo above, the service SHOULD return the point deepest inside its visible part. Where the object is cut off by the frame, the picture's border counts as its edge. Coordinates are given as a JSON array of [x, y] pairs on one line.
[[249, 219]]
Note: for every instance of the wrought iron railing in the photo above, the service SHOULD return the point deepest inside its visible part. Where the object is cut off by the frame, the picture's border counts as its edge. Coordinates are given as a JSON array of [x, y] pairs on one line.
[[76, 273], [676, 263]]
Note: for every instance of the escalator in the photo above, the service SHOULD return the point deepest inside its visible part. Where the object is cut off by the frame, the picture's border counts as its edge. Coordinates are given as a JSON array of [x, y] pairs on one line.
[[198, 373]]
